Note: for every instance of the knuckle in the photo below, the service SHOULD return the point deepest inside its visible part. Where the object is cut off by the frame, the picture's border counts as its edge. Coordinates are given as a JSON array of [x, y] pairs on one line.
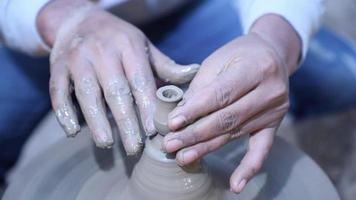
[[269, 65], [280, 92], [223, 95], [92, 111], [227, 121], [235, 134], [87, 86], [256, 166], [75, 52], [54, 92], [199, 136], [141, 83], [116, 90], [194, 138], [76, 42], [55, 89], [191, 137]]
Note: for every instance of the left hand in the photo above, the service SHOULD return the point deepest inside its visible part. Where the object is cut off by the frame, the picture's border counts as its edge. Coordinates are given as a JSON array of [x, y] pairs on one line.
[[241, 89]]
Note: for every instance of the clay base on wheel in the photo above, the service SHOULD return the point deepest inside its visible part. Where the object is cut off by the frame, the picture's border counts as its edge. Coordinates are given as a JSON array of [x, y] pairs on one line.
[[76, 169]]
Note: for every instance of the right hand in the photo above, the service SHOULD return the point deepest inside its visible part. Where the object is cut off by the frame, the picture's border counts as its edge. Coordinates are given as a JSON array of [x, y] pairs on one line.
[[100, 53]]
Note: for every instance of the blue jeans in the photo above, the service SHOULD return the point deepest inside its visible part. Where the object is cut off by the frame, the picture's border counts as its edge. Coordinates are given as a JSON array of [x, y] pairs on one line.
[[24, 100], [323, 83]]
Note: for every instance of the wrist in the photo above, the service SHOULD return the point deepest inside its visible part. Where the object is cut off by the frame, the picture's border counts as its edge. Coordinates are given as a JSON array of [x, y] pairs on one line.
[[282, 37], [54, 14]]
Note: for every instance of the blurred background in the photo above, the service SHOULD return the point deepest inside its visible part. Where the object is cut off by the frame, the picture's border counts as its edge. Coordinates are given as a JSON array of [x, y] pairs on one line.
[[330, 138], [328, 132]]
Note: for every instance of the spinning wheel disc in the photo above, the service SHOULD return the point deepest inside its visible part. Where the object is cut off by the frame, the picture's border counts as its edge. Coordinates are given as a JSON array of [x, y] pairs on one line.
[[75, 169]]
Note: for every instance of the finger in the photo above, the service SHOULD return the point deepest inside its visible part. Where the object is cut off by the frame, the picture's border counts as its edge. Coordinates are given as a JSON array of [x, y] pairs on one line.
[[269, 119], [141, 80], [222, 121], [118, 96], [61, 99], [90, 100], [259, 146], [168, 70], [221, 92], [189, 155]]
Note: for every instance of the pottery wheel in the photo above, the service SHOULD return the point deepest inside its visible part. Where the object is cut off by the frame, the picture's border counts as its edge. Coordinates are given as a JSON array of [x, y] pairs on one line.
[[76, 169]]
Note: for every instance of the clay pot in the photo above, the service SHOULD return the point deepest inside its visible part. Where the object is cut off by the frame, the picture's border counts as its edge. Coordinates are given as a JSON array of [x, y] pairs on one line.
[[167, 98], [157, 175]]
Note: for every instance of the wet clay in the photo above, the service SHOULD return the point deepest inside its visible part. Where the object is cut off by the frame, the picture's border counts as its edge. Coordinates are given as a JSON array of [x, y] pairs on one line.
[[167, 98], [157, 175], [75, 169]]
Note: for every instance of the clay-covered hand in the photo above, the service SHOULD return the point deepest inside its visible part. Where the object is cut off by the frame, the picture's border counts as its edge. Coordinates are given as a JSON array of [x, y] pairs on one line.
[[104, 60], [240, 90]]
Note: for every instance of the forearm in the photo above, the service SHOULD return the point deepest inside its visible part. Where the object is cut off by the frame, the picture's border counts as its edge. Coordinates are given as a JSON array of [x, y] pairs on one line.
[[282, 36]]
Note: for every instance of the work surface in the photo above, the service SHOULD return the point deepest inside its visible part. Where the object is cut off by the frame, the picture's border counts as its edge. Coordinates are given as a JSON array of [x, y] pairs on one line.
[[71, 167]]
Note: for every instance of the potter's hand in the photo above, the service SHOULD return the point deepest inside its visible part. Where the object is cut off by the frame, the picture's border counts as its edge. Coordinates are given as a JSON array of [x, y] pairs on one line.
[[101, 54], [241, 89]]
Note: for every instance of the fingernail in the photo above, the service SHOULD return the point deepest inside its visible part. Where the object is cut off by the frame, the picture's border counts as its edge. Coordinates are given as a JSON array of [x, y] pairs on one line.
[[177, 122], [189, 156], [132, 144], [71, 132], [69, 124], [150, 128], [104, 144], [173, 145], [104, 140], [241, 186], [134, 149]]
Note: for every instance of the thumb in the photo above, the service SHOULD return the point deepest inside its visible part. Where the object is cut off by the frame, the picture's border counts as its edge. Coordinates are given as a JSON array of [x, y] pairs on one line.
[[169, 71]]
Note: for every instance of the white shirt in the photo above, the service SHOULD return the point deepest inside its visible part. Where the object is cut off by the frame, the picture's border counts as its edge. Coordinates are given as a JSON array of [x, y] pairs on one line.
[[18, 17]]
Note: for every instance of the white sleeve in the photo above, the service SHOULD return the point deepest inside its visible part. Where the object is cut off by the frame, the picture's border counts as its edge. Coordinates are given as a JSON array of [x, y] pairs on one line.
[[18, 24], [303, 15]]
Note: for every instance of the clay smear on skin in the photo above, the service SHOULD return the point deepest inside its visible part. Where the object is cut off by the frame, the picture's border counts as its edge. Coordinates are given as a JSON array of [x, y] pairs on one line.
[[178, 74], [68, 122], [141, 87]]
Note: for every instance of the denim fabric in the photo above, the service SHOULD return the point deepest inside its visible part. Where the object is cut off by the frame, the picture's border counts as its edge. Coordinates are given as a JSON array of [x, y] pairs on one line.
[[24, 100], [326, 81]]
